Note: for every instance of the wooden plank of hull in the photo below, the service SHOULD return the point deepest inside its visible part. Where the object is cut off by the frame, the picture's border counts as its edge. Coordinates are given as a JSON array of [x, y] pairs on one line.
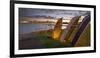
[[57, 29], [69, 29]]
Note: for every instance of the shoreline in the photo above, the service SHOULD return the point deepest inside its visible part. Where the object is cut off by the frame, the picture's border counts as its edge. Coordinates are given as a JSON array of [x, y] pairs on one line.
[[32, 34]]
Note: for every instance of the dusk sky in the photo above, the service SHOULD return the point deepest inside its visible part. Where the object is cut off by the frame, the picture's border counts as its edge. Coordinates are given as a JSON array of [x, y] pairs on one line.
[[49, 12]]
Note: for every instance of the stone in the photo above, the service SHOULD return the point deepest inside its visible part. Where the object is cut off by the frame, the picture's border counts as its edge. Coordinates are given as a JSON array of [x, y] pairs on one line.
[[57, 29], [69, 29], [81, 28]]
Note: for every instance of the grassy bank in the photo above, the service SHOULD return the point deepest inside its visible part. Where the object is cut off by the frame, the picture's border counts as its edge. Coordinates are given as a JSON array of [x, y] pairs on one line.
[[43, 39]]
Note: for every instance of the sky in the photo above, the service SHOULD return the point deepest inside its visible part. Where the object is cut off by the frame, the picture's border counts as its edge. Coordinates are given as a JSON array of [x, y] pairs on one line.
[[49, 12]]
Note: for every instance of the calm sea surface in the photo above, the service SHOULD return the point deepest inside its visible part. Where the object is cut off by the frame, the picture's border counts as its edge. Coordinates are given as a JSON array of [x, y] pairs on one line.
[[27, 28]]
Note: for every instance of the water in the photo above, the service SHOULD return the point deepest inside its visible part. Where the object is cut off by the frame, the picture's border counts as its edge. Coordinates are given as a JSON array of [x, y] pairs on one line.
[[27, 28]]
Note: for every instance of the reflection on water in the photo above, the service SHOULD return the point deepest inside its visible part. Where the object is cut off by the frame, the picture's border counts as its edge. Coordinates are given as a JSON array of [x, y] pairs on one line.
[[26, 28]]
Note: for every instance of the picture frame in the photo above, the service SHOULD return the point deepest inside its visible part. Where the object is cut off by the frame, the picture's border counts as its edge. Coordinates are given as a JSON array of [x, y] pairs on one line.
[[16, 11]]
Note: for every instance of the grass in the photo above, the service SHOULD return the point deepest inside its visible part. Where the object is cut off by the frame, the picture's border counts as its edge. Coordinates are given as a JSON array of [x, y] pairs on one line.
[[44, 40], [49, 42]]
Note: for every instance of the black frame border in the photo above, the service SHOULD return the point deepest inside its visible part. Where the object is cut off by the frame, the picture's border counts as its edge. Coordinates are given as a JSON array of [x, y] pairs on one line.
[[12, 3]]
